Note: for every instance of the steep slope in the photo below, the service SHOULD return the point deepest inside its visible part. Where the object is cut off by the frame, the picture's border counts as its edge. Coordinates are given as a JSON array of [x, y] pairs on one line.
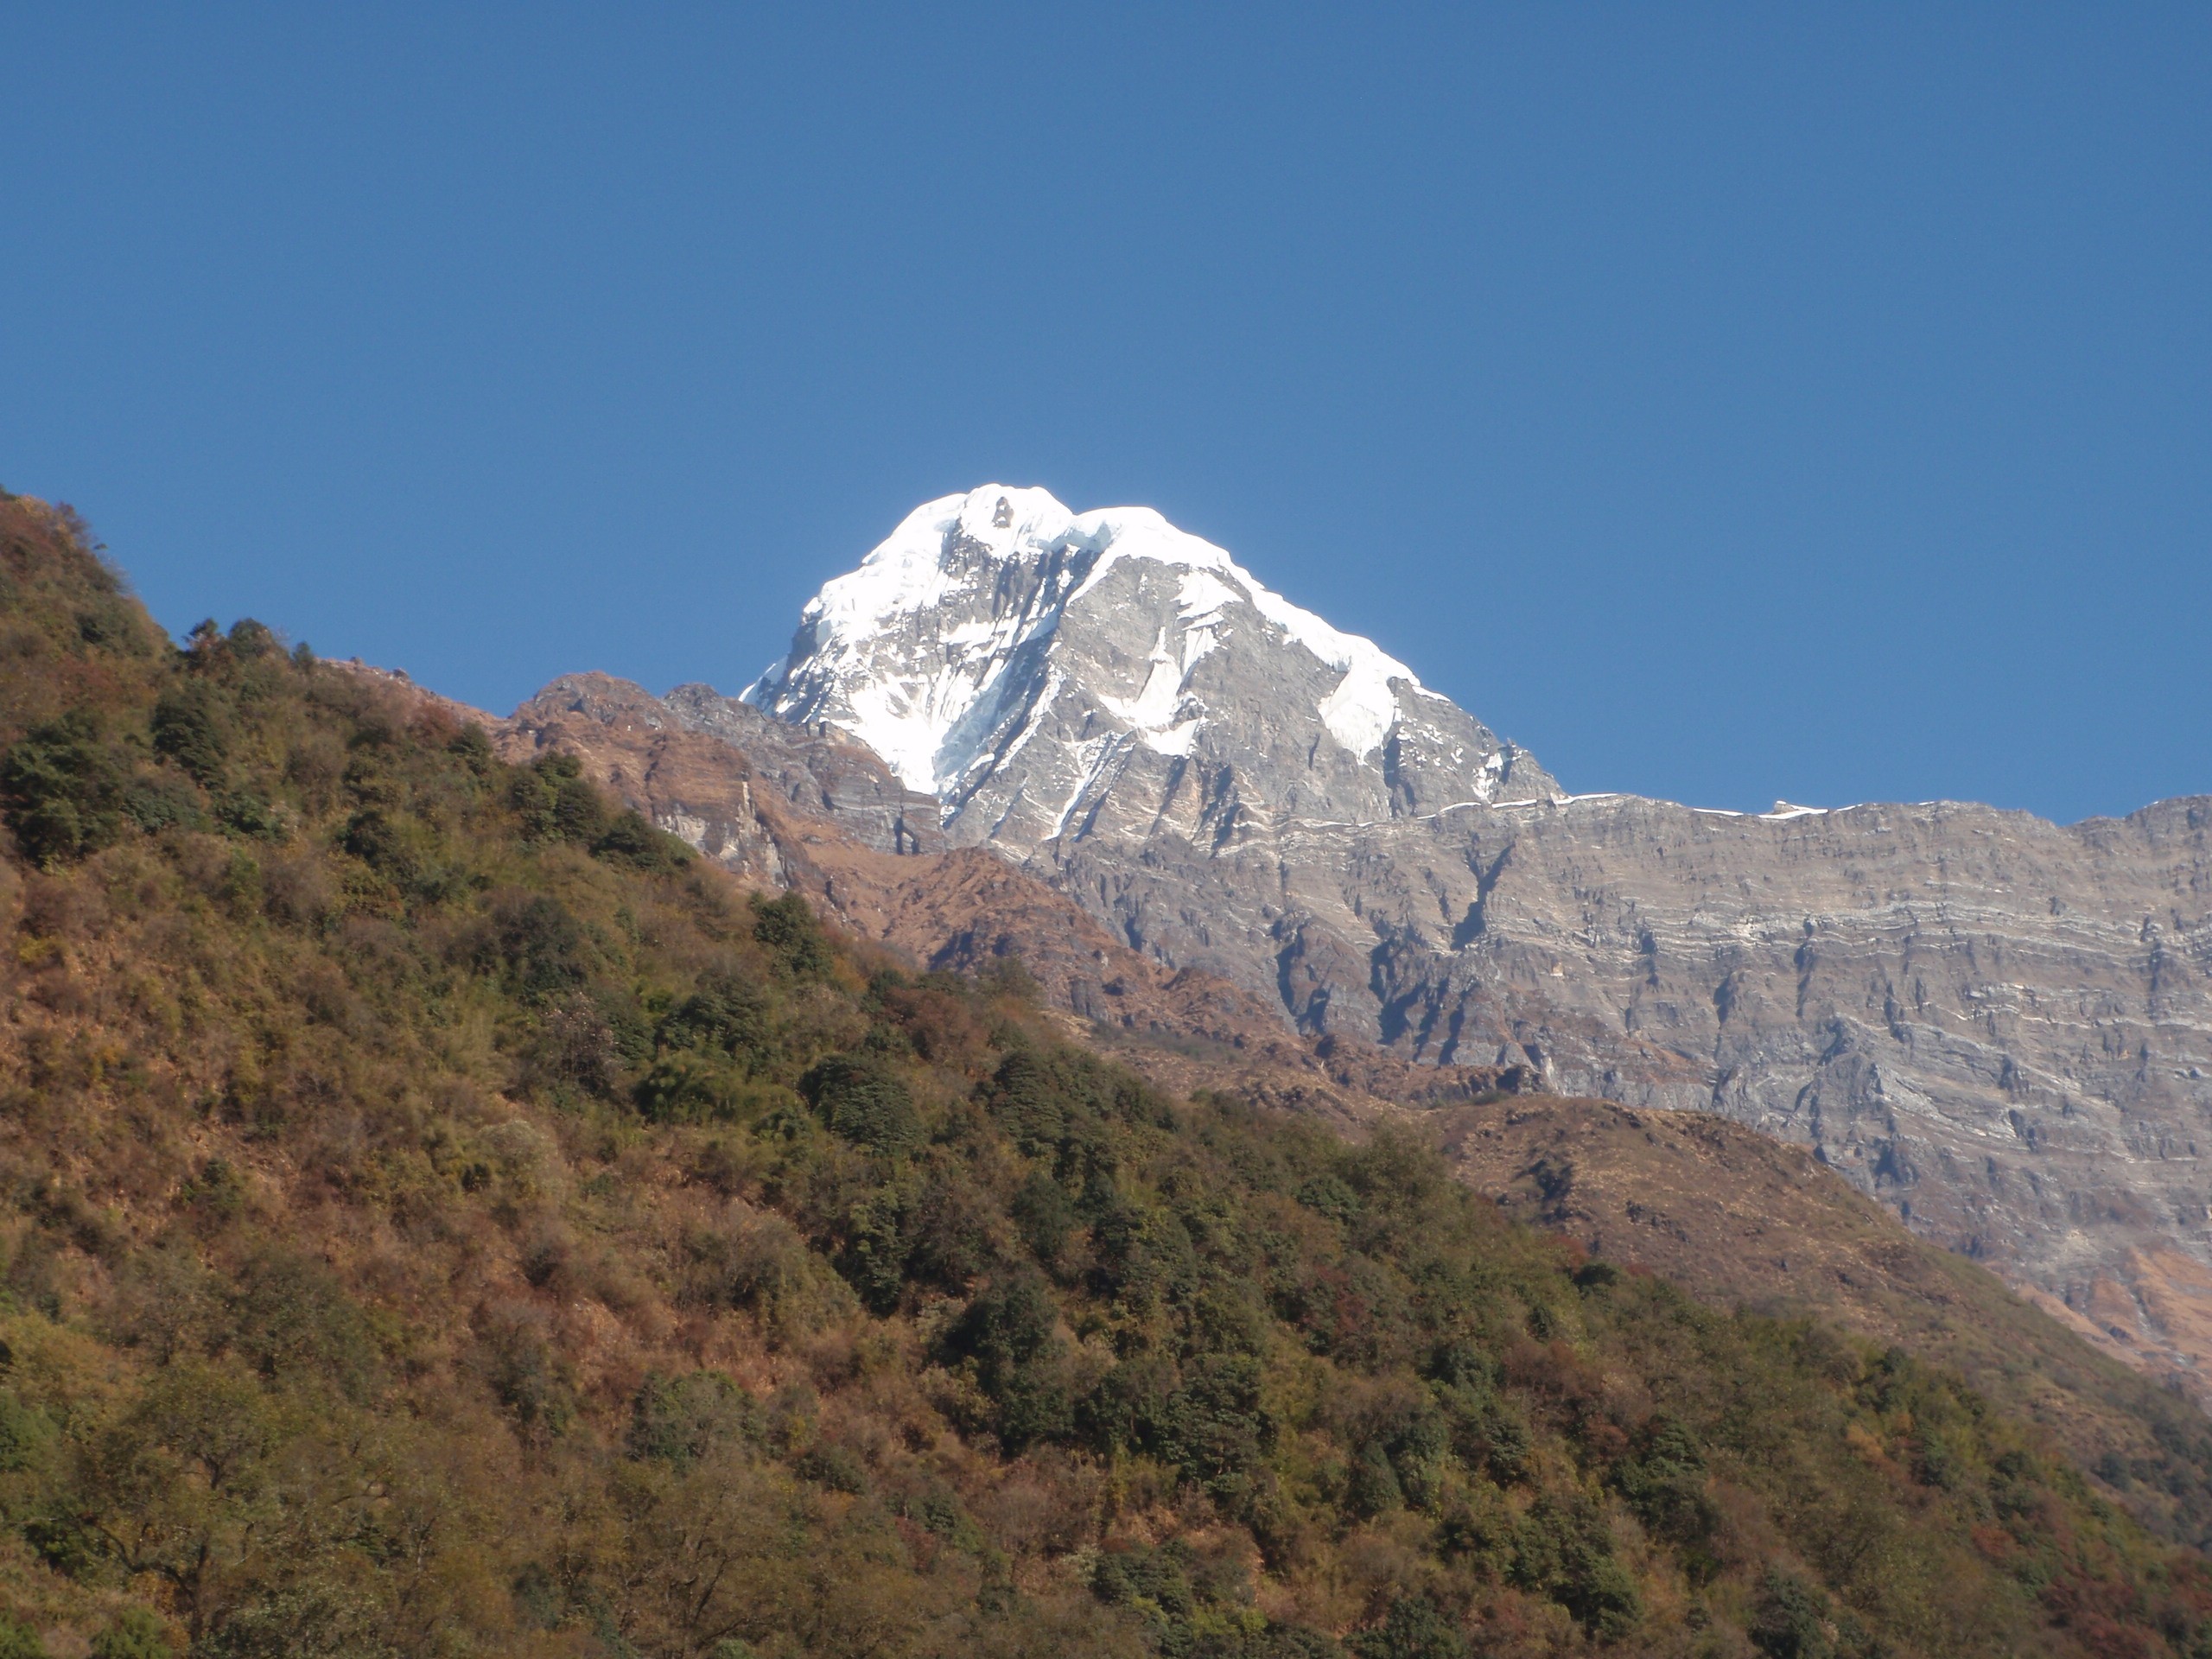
[[2001, 1026], [1742, 1218], [443, 1215], [1045, 674]]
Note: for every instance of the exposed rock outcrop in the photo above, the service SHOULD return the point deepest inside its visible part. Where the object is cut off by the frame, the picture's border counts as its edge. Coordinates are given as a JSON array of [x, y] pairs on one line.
[[806, 810], [708, 764]]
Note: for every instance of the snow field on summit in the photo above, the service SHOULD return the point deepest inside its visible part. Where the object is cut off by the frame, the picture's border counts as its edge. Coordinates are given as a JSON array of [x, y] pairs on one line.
[[917, 651]]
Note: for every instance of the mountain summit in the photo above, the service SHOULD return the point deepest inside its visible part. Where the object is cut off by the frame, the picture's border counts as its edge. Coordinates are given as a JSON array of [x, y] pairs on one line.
[[1049, 674]]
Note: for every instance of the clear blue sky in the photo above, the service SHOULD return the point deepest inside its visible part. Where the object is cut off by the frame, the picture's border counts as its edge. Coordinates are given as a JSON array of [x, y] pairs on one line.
[[1727, 403]]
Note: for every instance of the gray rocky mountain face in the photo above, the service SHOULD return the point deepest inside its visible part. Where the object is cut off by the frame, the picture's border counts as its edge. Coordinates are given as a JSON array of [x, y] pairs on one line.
[[1054, 678], [2002, 1026], [817, 773]]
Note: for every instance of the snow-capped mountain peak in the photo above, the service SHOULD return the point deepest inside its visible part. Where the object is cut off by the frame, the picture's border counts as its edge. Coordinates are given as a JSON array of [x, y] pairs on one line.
[[989, 621]]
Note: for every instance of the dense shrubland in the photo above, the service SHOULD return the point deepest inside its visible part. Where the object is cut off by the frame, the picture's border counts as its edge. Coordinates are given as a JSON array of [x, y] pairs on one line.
[[440, 1217]]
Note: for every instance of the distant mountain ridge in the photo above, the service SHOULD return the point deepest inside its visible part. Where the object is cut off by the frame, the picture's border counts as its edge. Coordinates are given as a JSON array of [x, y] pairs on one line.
[[2001, 1025]]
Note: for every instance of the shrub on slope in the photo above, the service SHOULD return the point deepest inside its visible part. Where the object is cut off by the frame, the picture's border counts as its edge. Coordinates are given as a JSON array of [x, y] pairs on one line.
[[441, 1217]]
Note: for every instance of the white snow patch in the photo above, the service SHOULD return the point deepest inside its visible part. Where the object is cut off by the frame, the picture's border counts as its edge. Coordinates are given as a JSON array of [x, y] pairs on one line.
[[1201, 596], [1361, 711], [1153, 705], [1176, 741]]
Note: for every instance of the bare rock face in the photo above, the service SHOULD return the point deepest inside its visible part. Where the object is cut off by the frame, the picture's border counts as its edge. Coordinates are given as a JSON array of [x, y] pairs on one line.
[[721, 775], [2000, 1026]]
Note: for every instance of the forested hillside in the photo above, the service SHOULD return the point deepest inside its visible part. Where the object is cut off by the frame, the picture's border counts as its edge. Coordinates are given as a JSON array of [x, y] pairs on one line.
[[442, 1216]]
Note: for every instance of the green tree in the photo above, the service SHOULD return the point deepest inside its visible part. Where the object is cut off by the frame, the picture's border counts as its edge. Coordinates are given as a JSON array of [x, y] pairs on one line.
[[1789, 1621], [64, 790], [178, 1485], [1412, 1629], [192, 726], [789, 927], [865, 1101]]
